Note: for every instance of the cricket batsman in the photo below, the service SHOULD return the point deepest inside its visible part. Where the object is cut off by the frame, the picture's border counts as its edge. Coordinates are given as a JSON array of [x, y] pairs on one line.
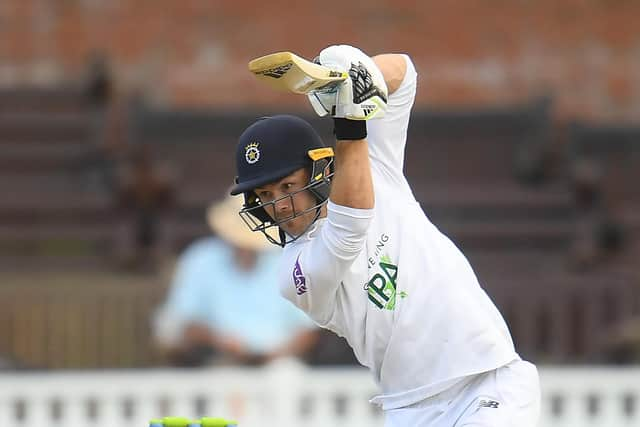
[[362, 259]]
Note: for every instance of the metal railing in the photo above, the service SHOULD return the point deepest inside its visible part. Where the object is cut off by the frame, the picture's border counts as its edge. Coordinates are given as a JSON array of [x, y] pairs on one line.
[[283, 394]]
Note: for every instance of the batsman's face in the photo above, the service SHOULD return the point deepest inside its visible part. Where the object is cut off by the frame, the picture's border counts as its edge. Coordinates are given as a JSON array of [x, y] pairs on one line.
[[289, 202]]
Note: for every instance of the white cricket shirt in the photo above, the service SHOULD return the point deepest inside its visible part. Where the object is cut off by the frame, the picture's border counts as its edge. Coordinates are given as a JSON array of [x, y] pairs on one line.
[[389, 282]]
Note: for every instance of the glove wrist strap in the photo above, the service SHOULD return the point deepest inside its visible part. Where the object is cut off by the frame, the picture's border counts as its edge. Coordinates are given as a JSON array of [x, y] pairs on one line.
[[345, 129]]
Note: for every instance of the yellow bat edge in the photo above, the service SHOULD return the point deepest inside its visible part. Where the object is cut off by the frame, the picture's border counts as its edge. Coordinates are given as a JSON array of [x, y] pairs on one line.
[[288, 71]]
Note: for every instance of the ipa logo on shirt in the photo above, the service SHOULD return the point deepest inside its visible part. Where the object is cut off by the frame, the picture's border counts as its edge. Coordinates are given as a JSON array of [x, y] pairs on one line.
[[382, 286], [298, 278]]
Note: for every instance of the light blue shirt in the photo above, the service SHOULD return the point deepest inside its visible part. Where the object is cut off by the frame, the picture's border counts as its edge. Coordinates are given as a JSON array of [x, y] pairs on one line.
[[209, 288]]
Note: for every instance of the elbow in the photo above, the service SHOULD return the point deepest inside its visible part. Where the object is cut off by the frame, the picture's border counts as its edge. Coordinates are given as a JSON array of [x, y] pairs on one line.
[[347, 231], [349, 244]]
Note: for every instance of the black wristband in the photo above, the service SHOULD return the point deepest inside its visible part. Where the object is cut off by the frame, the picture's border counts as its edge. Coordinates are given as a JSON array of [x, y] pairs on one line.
[[349, 129]]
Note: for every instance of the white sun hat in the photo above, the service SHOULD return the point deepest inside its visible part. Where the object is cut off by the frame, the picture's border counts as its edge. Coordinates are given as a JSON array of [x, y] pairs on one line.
[[224, 219]]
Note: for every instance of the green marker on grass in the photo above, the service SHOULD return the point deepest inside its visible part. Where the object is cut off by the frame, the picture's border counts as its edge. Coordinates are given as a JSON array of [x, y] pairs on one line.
[[176, 422], [186, 422], [217, 422]]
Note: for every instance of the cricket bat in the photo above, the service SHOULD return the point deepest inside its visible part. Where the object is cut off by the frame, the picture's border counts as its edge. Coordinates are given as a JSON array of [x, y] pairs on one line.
[[289, 72]]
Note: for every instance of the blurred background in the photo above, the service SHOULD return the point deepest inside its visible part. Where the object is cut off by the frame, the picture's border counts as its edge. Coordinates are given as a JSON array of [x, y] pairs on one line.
[[118, 121]]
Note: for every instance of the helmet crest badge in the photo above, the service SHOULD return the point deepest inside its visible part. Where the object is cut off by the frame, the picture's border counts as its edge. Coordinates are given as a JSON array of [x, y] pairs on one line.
[[252, 153]]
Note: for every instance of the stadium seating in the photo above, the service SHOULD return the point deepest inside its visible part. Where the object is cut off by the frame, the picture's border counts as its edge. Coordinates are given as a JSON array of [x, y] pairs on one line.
[[497, 181], [55, 174]]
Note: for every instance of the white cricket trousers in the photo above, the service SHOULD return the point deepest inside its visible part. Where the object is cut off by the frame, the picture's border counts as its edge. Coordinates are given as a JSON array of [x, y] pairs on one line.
[[506, 397]]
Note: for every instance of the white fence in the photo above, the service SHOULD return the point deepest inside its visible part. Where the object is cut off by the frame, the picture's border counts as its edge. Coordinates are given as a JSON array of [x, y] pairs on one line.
[[281, 395]]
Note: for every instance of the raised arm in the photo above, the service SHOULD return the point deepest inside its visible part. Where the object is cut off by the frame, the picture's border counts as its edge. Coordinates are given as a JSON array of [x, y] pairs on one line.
[[352, 184]]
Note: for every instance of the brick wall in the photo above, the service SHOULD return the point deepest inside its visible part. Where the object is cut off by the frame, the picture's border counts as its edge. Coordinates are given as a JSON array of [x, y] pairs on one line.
[[194, 52]]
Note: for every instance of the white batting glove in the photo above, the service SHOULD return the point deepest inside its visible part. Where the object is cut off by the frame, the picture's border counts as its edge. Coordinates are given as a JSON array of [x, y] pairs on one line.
[[362, 96], [323, 101]]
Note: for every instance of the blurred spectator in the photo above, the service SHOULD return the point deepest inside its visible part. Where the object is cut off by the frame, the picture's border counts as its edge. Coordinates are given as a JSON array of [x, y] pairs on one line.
[[99, 82], [224, 305], [599, 234], [145, 192]]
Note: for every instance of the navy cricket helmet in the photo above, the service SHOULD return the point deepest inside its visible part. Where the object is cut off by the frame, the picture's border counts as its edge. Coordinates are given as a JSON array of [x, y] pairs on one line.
[[269, 150]]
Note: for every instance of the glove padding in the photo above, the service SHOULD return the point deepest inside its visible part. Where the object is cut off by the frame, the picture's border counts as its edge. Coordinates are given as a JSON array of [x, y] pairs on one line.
[[362, 96]]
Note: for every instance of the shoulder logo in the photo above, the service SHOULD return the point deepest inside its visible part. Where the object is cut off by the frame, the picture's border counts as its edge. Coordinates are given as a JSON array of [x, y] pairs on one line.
[[299, 280], [252, 153]]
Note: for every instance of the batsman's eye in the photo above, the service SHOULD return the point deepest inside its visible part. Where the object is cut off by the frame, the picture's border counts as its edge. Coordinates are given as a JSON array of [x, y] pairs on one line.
[[263, 196]]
